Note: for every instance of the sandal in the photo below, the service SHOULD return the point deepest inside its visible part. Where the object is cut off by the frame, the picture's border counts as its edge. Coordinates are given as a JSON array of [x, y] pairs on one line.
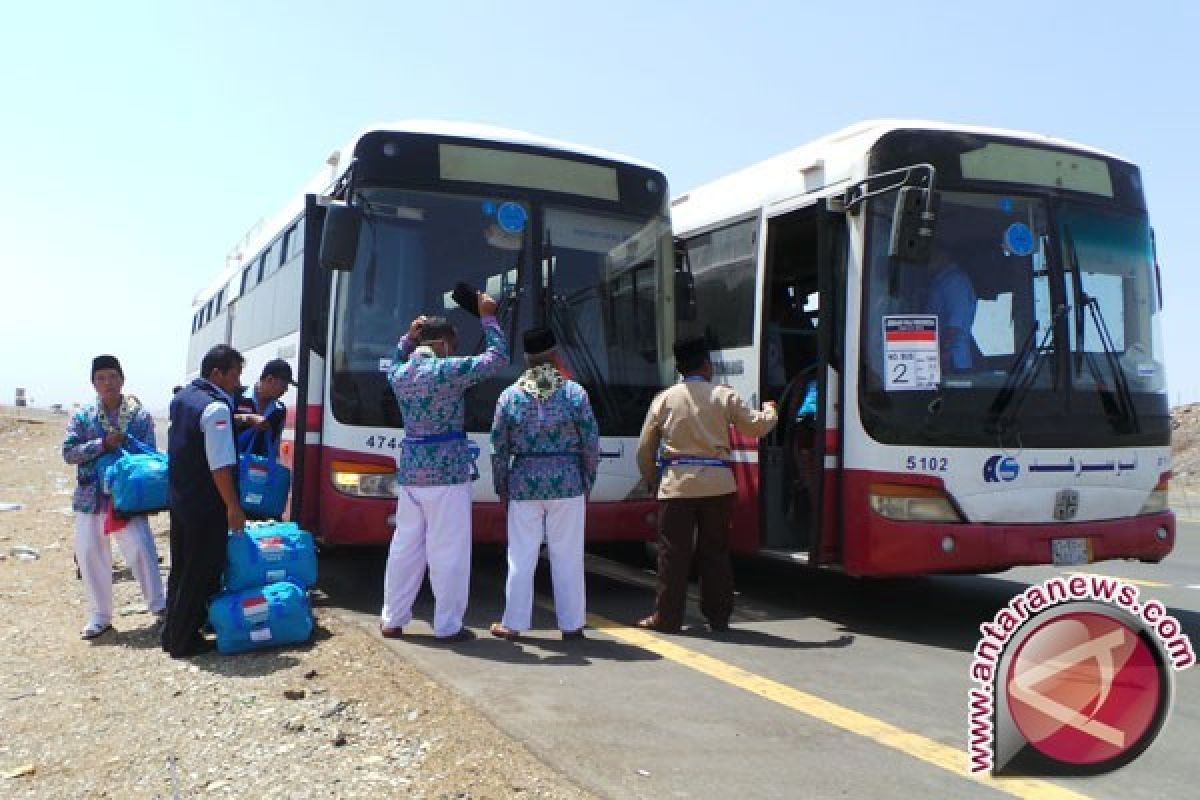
[[502, 631], [95, 630]]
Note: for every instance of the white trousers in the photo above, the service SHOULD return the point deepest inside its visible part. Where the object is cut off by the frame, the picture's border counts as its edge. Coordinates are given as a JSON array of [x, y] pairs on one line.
[[433, 528], [93, 551], [560, 522]]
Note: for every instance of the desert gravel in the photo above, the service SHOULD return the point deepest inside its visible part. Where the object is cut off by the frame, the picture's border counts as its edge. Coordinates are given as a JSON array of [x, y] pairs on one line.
[[344, 716]]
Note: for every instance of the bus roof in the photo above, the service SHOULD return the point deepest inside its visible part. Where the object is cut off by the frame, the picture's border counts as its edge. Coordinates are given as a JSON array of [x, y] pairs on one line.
[[324, 180], [819, 164]]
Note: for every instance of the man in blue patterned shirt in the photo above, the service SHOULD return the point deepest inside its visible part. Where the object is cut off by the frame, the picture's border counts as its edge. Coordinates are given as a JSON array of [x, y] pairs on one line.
[[433, 471], [97, 431], [546, 448]]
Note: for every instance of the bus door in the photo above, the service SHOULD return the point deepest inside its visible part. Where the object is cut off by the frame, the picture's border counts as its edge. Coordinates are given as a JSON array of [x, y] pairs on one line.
[[798, 319]]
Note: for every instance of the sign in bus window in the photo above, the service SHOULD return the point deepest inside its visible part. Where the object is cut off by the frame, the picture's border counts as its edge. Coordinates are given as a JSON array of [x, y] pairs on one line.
[[910, 353]]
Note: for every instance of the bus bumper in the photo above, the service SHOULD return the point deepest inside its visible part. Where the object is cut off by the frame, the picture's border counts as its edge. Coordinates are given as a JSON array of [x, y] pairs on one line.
[[886, 547]]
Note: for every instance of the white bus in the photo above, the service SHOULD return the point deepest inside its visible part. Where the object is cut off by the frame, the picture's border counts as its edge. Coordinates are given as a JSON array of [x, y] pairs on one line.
[[561, 235], [961, 325]]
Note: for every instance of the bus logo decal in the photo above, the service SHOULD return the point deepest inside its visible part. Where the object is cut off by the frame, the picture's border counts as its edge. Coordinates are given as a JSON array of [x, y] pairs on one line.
[[1066, 504], [1001, 468]]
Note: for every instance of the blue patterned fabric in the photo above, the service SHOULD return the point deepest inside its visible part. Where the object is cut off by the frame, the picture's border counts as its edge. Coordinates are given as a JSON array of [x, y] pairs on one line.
[[544, 449], [84, 444], [429, 391]]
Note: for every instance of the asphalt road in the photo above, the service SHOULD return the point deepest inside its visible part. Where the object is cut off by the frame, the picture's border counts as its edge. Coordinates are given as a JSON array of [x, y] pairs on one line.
[[828, 686]]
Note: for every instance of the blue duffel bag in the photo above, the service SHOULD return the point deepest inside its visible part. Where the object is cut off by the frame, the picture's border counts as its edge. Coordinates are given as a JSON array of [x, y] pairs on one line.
[[270, 552], [255, 619], [263, 482], [137, 479]]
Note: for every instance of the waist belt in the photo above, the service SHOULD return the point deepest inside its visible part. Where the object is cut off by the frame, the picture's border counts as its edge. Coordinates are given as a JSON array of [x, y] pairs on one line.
[[435, 438], [693, 461]]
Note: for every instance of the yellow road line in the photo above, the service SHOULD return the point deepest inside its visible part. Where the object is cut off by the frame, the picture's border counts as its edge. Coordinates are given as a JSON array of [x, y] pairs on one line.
[[1138, 581], [951, 759]]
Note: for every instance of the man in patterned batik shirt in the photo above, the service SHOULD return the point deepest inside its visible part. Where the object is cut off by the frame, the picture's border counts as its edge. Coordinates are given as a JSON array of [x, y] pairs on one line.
[[546, 448], [433, 471], [95, 436]]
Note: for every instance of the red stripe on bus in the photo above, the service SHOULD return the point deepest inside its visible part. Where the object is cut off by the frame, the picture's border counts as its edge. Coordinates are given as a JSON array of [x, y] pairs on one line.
[[312, 418], [911, 336]]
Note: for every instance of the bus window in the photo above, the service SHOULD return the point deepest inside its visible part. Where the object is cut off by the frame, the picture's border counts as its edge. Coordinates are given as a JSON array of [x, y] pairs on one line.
[[1112, 253], [723, 265], [413, 248], [293, 242], [605, 281], [987, 297], [264, 265]]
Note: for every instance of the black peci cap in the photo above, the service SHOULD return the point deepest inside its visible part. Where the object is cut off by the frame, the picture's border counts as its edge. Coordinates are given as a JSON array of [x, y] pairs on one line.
[[278, 368], [692, 352], [106, 362], [539, 340], [466, 297]]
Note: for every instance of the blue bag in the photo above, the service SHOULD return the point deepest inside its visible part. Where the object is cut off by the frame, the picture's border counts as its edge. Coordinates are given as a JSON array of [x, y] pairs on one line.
[[268, 553], [137, 479], [255, 619], [263, 482]]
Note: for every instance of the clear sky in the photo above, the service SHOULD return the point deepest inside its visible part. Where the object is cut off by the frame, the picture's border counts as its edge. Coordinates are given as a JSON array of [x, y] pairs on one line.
[[140, 140]]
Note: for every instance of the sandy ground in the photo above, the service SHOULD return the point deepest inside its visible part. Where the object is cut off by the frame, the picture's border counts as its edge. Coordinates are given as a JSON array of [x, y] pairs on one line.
[[344, 716]]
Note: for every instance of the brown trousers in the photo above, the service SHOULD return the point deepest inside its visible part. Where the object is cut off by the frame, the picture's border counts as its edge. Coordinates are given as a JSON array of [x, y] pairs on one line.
[[706, 520]]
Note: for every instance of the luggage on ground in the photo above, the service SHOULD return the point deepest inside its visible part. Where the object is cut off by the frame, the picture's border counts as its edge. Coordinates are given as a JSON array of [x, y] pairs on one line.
[[268, 553], [255, 619]]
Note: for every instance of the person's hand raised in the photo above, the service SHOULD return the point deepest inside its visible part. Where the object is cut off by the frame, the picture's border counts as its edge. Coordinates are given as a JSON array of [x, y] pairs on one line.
[[487, 306], [414, 330]]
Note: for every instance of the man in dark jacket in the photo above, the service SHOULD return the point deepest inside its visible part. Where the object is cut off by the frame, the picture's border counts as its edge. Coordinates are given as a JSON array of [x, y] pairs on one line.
[[259, 410], [204, 498]]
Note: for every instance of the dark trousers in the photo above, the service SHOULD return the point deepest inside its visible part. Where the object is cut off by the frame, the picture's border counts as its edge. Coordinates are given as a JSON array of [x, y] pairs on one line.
[[706, 521], [198, 545]]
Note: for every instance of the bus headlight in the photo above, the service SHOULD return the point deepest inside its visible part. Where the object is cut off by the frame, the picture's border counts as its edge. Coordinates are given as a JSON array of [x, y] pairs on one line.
[[1158, 501], [912, 503], [363, 480]]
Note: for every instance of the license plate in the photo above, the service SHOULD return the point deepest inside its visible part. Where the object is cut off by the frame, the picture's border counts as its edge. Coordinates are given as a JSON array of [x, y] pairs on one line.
[[1071, 552]]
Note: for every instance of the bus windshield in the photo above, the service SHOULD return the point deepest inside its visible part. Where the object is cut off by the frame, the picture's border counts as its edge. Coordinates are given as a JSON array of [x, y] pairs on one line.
[[1033, 320], [595, 286]]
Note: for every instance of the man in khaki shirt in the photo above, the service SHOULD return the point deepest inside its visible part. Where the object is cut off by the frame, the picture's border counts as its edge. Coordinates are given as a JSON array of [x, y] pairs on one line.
[[684, 454]]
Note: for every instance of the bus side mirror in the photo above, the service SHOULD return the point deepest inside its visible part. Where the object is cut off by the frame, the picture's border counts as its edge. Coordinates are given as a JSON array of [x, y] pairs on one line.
[[339, 237], [912, 225]]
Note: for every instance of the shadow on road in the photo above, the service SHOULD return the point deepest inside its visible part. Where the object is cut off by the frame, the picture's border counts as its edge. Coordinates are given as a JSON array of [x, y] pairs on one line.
[[937, 611]]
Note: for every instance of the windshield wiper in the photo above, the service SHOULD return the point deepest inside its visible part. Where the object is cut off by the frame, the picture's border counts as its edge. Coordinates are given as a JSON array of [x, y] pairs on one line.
[[1117, 402], [560, 317], [1021, 377]]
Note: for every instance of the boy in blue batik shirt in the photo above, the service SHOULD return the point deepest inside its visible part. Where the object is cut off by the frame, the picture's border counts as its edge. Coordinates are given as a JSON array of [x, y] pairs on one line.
[[546, 450], [433, 470]]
